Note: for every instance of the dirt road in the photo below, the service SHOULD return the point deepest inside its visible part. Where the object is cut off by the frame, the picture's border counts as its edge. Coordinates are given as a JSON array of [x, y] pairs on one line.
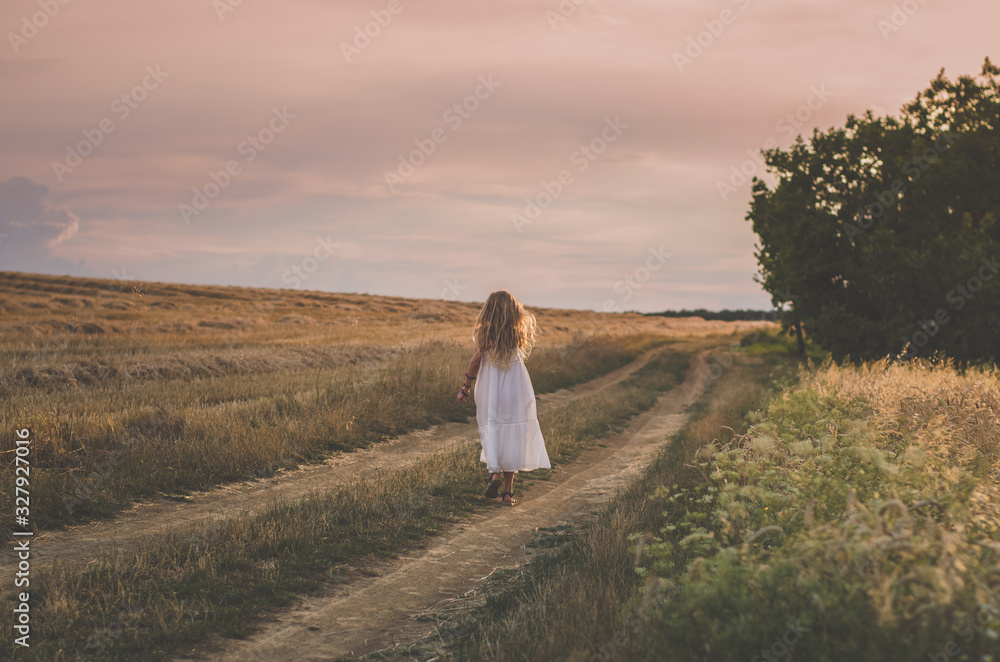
[[84, 542], [373, 613]]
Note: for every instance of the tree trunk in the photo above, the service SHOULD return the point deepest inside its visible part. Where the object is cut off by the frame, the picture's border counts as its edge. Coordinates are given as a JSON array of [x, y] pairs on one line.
[[798, 333]]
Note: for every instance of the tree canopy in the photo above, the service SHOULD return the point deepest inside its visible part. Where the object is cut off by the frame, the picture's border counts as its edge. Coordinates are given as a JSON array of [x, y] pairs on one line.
[[881, 236]]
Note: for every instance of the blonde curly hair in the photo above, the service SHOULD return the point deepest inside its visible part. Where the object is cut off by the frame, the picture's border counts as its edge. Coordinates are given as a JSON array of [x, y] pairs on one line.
[[503, 327]]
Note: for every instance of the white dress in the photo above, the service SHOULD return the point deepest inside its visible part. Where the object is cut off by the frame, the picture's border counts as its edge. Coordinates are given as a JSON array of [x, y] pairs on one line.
[[505, 411]]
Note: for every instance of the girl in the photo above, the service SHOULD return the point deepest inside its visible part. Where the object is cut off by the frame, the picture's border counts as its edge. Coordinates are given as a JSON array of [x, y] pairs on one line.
[[505, 402]]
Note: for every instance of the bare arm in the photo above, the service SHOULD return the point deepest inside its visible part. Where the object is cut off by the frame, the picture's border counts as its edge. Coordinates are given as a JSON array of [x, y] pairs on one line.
[[473, 370], [474, 364]]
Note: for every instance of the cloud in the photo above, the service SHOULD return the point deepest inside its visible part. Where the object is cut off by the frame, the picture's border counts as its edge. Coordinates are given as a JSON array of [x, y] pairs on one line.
[[30, 228], [452, 218]]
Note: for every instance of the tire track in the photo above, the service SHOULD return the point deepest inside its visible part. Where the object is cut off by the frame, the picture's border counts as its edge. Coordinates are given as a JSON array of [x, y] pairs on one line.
[[375, 613]]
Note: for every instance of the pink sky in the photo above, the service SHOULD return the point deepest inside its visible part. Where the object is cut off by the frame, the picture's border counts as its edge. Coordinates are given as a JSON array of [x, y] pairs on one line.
[[640, 226]]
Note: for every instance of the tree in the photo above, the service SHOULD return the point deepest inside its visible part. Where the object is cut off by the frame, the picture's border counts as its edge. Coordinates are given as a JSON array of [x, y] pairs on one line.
[[873, 231]]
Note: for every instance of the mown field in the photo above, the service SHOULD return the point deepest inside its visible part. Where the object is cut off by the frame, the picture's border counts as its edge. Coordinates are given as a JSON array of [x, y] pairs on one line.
[[134, 391], [834, 513]]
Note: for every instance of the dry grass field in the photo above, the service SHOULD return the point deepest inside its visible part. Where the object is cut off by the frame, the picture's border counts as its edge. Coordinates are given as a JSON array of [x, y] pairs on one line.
[[136, 389], [146, 391]]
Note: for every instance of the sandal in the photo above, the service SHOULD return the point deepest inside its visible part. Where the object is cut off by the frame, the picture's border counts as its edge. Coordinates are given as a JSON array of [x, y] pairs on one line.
[[512, 501], [493, 484]]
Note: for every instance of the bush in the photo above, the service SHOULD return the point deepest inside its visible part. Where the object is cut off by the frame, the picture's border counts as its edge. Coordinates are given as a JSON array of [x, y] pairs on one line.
[[857, 519]]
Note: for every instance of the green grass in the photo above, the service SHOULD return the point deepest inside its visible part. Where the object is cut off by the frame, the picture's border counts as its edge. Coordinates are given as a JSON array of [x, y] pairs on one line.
[[862, 507], [178, 588], [773, 341]]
